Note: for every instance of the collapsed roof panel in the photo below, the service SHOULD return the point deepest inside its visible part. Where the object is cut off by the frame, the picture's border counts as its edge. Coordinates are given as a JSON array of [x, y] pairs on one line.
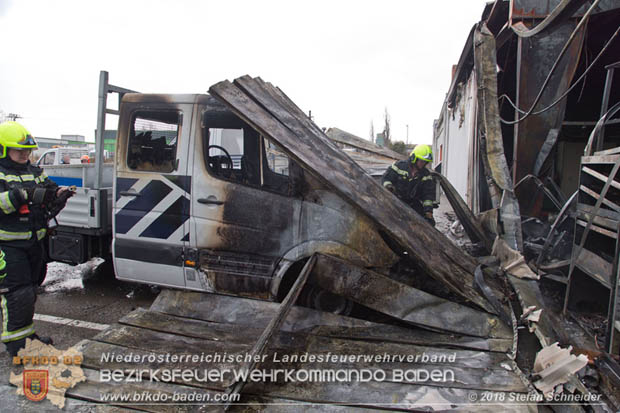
[[403, 302], [351, 140], [268, 110], [372, 157], [226, 327]]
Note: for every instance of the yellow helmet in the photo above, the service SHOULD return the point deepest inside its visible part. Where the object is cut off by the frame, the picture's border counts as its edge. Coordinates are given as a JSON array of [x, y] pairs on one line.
[[423, 152], [14, 135]]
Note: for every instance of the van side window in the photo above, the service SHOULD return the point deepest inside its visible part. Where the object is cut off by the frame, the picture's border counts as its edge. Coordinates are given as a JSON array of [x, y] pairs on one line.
[[236, 152], [225, 152], [277, 159], [276, 170], [153, 141], [231, 149]]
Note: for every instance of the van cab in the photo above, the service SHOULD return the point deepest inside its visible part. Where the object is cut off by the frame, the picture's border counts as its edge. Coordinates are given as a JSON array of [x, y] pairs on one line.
[[203, 201]]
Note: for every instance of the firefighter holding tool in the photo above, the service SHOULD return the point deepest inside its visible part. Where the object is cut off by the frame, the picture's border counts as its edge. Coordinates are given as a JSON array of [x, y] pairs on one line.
[[28, 200]]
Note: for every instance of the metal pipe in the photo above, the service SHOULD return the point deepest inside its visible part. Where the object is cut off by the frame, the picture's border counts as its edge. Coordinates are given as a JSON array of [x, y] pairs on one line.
[[101, 108], [557, 221], [605, 105]]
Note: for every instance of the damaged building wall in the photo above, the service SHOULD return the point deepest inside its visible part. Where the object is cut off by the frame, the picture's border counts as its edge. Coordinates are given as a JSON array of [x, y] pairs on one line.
[[549, 141], [536, 57], [454, 136]]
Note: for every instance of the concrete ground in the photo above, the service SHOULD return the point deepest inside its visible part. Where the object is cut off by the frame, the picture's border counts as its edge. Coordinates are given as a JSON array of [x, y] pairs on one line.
[[75, 293]]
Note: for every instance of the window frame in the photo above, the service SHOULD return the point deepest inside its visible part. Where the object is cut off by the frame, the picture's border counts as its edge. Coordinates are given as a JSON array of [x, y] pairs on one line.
[[132, 134], [219, 120]]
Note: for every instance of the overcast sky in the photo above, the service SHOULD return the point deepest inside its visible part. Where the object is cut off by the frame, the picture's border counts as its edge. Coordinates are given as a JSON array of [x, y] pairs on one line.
[[346, 61]]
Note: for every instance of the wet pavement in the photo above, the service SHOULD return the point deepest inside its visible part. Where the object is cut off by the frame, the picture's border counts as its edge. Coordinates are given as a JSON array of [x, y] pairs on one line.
[[84, 292]]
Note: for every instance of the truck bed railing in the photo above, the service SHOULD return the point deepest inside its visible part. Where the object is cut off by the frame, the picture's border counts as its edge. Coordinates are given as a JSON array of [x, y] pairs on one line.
[[102, 111]]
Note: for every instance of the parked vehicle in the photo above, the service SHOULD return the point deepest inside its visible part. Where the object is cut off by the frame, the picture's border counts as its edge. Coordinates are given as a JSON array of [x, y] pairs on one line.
[[61, 156], [202, 201]]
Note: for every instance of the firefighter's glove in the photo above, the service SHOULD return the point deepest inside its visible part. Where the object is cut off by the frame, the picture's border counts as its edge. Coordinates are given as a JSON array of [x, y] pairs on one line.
[[62, 195], [390, 188], [38, 195], [428, 216]]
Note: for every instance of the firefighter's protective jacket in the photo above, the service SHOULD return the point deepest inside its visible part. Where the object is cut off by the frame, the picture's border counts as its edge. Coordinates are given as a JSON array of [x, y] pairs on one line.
[[416, 191], [21, 230]]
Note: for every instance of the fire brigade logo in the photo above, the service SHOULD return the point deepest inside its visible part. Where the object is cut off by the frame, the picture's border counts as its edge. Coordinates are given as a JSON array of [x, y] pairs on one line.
[[35, 384]]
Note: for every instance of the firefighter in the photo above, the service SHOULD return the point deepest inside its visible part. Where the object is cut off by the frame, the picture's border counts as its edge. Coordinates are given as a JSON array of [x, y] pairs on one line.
[[410, 181], [25, 195]]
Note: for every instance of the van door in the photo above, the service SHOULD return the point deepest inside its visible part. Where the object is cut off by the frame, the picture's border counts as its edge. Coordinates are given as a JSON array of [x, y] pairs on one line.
[[243, 213], [151, 207]]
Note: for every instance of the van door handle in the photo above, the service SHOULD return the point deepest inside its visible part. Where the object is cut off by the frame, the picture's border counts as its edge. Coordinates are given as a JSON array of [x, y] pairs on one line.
[[127, 193], [210, 201]]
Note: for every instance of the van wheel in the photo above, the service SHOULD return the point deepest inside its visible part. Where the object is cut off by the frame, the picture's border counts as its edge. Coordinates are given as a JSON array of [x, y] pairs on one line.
[[322, 300], [312, 296]]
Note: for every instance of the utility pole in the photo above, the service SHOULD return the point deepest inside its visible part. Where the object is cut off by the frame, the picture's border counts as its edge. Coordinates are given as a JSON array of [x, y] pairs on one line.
[[407, 141]]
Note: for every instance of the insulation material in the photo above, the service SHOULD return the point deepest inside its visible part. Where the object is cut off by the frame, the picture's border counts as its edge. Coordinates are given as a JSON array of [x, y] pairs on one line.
[[555, 366], [512, 261], [530, 317], [531, 314]]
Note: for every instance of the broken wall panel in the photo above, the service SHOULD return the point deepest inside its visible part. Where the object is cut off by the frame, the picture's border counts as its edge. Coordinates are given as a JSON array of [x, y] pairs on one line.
[[403, 302], [145, 333], [286, 124], [251, 314], [485, 65], [536, 57]]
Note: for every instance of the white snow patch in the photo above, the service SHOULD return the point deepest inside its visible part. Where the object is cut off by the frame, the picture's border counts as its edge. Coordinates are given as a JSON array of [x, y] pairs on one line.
[[62, 277]]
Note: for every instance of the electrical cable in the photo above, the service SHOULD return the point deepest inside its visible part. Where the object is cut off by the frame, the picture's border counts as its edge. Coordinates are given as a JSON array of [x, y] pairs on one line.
[[559, 99], [555, 65]]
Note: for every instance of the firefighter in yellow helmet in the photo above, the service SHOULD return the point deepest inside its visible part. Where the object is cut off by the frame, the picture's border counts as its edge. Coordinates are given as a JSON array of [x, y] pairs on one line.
[[26, 197], [410, 181]]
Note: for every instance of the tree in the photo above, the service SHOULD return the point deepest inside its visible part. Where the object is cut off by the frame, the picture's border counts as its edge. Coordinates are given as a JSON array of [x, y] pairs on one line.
[[386, 128], [372, 132], [399, 146]]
